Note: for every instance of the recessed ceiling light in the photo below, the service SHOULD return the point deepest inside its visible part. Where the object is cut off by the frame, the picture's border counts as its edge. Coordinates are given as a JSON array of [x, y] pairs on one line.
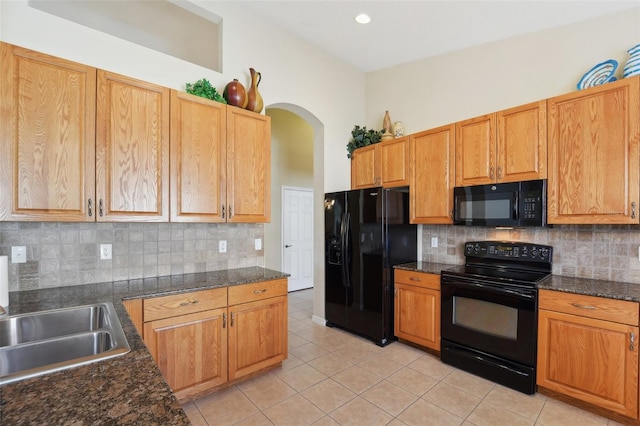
[[363, 18]]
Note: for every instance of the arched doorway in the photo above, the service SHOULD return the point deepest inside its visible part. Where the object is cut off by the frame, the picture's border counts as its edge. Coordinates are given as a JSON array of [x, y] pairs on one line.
[[273, 233]]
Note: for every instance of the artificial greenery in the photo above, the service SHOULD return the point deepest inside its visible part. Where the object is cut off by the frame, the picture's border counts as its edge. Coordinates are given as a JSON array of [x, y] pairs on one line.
[[360, 136], [204, 89]]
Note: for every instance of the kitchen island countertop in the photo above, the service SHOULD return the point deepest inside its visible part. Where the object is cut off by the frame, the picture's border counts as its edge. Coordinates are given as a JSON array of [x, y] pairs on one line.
[[128, 389]]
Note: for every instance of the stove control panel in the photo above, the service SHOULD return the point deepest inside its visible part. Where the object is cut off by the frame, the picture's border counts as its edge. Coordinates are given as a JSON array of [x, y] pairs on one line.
[[508, 250]]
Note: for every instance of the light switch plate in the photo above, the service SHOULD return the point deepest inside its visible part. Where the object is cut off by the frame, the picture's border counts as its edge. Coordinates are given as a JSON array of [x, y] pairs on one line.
[[19, 254]]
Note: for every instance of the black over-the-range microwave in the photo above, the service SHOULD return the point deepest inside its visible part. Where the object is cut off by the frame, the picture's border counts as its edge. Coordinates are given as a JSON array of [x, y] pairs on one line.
[[513, 204]]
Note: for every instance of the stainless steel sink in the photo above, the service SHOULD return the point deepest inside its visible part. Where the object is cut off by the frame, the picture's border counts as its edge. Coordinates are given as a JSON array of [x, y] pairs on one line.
[[43, 342]]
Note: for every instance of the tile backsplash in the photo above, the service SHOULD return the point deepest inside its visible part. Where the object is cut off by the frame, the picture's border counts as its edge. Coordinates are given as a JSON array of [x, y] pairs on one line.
[[604, 252], [66, 254]]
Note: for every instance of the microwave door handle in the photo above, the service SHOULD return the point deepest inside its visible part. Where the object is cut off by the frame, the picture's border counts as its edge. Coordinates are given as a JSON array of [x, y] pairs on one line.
[[516, 206]]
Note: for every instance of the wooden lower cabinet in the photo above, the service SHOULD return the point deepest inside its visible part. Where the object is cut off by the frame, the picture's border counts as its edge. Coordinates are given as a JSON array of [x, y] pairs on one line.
[[257, 335], [417, 308], [588, 350], [191, 350], [203, 339]]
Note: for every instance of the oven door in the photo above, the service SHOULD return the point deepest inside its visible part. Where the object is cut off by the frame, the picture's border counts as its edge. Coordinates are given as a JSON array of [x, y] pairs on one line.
[[489, 317]]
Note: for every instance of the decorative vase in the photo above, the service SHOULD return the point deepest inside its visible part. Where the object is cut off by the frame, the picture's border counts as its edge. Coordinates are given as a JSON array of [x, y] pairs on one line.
[[398, 129], [254, 98], [235, 94], [632, 67], [386, 123]]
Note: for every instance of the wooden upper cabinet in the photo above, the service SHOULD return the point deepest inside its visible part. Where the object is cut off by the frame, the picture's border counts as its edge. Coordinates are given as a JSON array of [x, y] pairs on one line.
[[476, 151], [522, 143], [384, 164], [198, 158], [432, 181], [47, 130], [395, 165], [593, 155], [132, 150], [248, 166], [507, 146], [365, 167]]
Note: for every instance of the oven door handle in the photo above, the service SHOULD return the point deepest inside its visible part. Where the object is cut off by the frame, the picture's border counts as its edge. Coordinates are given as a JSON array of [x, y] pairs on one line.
[[527, 294], [480, 358]]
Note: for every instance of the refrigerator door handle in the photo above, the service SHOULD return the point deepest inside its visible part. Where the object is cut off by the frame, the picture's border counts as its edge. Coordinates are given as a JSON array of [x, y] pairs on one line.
[[346, 260]]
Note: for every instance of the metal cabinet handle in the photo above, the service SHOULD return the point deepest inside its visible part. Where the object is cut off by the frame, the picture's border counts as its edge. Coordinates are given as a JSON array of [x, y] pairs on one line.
[[491, 172], [224, 320], [231, 319], [632, 341], [223, 211], [415, 279], [499, 172], [100, 208], [264, 290], [90, 208], [189, 302], [579, 306], [230, 212], [633, 210]]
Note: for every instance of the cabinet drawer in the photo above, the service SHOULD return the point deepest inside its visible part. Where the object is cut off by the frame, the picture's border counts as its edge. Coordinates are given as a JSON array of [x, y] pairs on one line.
[[184, 303], [257, 291], [418, 279], [620, 311]]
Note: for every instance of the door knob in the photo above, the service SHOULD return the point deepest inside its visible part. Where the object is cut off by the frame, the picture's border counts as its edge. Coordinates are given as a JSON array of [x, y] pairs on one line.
[[288, 245]]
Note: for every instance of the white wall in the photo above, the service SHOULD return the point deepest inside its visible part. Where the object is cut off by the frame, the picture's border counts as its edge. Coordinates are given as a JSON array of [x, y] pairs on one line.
[[479, 80], [293, 71]]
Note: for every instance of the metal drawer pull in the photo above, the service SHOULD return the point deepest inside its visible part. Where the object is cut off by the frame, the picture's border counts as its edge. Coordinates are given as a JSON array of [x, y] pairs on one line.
[[224, 320], [90, 208], [579, 306], [231, 319], [632, 341], [264, 290], [415, 279], [633, 210], [189, 302]]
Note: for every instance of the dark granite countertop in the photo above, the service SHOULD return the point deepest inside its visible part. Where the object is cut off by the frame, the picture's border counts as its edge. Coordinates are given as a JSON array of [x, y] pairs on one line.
[[584, 286], [589, 287], [124, 390], [427, 267]]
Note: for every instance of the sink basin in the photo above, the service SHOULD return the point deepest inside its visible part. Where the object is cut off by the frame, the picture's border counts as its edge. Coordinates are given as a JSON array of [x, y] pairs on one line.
[[43, 342]]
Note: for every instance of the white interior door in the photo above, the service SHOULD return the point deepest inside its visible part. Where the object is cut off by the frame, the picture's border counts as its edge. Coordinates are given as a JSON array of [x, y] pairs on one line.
[[297, 236]]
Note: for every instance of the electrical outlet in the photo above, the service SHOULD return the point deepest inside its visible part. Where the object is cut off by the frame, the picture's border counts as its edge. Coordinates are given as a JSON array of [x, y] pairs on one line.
[[222, 246], [105, 252], [434, 242], [258, 243], [19, 254]]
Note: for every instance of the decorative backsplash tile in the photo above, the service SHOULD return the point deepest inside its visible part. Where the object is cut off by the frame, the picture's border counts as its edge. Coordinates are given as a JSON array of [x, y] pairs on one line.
[[66, 254], [605, 252]]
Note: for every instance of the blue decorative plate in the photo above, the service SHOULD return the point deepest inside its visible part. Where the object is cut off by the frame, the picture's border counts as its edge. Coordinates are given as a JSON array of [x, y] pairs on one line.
[[600, 74]]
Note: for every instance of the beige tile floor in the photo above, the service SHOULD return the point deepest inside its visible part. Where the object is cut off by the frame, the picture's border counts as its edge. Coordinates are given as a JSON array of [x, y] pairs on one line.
[[335, 378]]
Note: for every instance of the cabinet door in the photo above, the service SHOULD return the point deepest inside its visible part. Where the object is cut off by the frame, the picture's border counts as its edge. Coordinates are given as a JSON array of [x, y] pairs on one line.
[[47, 151], [132, 150], [593, 155], [522, 143], [248, 166], [432, 182], [365, 167], [476, 151], [395, 164], [191, 350], [257, 335], [417, 315], [589, 359], [198, 158]]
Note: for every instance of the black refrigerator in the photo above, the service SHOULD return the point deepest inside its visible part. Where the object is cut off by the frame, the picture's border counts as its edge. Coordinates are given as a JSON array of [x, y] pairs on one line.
[[367, 232]]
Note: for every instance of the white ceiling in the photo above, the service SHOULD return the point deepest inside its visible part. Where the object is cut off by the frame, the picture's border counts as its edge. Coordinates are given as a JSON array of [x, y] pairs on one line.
[[403, 31]]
